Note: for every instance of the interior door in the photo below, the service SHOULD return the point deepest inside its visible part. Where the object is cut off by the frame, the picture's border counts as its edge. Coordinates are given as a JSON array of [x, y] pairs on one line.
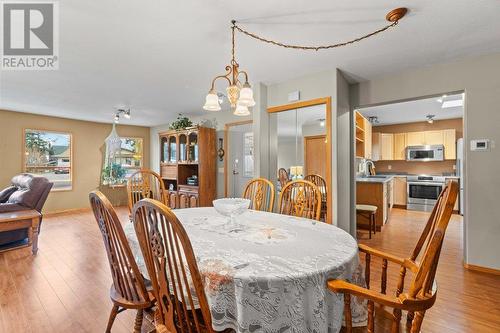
[[240, 160], [315, 155]]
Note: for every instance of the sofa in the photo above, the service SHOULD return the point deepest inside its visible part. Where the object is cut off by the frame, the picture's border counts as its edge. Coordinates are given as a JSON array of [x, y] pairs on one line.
[[25, 192]]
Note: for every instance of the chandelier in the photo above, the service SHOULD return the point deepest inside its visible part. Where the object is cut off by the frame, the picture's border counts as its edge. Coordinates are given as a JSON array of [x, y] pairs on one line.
[[240, 95]]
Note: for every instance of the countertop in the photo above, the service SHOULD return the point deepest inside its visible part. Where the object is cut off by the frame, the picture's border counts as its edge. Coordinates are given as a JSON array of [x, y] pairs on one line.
[[386, 179]]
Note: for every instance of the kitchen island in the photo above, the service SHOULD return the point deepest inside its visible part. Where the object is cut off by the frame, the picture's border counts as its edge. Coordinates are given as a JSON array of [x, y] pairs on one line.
[[376, 191]]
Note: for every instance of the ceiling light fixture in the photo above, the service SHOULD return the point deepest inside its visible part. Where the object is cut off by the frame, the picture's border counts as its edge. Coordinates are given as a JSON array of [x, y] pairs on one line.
[[322, 122], [240, 95], [430, 118], [120, 111], [373, 119]]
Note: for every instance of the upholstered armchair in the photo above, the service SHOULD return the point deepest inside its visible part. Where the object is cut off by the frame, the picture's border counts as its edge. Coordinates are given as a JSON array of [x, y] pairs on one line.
[[25, 192]]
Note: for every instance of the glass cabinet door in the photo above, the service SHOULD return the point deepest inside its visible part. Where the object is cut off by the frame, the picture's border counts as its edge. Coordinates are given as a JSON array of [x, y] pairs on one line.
[[182, 147], [193, 147], [164, 150], [172, 141]]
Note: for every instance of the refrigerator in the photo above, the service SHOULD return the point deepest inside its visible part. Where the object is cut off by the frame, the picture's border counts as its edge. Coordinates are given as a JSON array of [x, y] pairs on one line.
[[460, 173]]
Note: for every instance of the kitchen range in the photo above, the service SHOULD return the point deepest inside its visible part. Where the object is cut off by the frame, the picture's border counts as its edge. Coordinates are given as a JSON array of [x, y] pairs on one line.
[[423, 191]]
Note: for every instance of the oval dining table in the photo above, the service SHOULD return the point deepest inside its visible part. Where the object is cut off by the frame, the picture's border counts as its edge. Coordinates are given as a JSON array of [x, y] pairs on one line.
[[268, 272]]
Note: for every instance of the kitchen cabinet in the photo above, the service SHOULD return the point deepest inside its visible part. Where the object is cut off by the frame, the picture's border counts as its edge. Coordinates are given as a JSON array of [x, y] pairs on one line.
[[433, 137], [376, 194], [450, 144], [382, 146], [390, 194], [400, 191], [368, 139], [415, 138], [363, 137], [400, 146], [386, 146]]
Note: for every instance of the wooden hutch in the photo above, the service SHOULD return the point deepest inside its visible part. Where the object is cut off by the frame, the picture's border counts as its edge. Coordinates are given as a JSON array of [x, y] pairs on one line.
[[187, 155]]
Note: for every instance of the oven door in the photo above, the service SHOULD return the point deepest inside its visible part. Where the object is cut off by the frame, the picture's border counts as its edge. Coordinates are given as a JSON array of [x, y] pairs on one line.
[[424, 193]]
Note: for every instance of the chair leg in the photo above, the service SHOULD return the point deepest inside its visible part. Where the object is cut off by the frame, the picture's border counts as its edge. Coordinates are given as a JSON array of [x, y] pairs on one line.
[[417, 322], [138, 321], [112, 316], [370, 225], [374, 216]]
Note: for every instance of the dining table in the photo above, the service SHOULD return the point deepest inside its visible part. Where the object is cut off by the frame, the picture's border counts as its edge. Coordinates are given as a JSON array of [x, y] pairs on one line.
[[267, 272]]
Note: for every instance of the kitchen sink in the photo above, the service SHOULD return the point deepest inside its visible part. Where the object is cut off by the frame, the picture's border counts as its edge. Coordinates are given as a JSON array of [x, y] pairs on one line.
[[375, 176]]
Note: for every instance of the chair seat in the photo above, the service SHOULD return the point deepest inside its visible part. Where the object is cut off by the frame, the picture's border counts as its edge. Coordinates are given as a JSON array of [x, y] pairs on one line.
[[366, 208], [118, 299]]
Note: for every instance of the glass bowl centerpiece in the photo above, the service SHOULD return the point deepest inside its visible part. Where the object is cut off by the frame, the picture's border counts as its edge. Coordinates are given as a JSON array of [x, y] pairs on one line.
[[231, 207]]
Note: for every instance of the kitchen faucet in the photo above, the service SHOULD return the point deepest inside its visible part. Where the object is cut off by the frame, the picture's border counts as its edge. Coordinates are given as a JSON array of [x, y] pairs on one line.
[[367, 171]]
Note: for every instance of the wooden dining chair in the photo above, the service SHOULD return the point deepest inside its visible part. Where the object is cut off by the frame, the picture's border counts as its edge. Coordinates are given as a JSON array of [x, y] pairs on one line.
[[321, 184], [172, 268], [421, 294], [283, 177], [260, 192], [128, 290], [300, 198], [145, 184]]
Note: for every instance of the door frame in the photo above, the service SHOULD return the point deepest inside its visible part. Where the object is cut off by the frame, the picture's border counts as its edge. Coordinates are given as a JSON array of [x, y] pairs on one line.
[[227, 127], [327, 101]]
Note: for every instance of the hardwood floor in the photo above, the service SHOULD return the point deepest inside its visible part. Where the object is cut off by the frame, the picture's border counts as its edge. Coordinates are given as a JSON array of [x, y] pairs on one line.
[[467, 301], [65, 288]]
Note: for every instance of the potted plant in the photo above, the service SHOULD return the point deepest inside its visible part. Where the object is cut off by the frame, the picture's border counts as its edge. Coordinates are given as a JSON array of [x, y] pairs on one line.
[[181, 122]]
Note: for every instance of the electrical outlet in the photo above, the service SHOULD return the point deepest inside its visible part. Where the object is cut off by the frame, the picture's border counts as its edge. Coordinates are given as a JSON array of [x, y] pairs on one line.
[[389, 167], [454, 167]]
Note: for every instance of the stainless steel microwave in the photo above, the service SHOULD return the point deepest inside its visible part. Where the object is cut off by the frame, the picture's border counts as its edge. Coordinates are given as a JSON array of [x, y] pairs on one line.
[[425, 153]]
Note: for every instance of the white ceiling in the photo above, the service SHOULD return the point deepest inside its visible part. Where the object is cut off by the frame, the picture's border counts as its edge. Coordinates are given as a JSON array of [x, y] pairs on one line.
[[160, 56], [414, 111]]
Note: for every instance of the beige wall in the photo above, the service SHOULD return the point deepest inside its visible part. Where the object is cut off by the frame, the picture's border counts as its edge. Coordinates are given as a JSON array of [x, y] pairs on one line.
[[88, 142], [479, 77], [429, 168]]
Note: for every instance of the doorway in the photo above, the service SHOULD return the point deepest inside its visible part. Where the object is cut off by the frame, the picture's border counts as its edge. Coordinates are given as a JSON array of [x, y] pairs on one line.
[[417, 143], [239, 160]]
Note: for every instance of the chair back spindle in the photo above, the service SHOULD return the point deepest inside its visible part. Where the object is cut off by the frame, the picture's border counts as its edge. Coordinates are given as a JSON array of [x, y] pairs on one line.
[[145, 184], [260, 192], [300, 198]]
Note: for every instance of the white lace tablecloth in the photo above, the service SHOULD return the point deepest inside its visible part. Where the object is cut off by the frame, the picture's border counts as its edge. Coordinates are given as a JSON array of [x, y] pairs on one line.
[[270, 275]]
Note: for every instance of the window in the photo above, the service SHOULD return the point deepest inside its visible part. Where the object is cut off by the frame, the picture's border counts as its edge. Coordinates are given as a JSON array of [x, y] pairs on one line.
[[127, 160], [248, 154], [49, 154]]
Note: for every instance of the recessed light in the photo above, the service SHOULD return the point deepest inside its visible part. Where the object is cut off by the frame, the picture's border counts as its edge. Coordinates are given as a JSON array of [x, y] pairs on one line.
[[430, 118]]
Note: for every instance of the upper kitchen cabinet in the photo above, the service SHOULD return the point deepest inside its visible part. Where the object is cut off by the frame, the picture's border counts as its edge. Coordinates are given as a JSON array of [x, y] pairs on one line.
[[400, 146], [415, 138], [363, 137], [433, 137], [368, 139], [383, 146]]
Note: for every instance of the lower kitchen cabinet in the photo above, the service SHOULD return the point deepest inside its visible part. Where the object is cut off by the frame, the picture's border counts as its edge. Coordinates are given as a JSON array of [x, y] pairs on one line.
[[376, 194], [400, 191]]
